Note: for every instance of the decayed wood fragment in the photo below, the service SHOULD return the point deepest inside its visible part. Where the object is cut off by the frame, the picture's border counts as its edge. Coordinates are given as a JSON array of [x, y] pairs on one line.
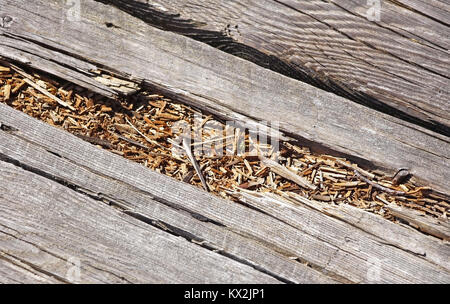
[[284, 172], [100, 121]]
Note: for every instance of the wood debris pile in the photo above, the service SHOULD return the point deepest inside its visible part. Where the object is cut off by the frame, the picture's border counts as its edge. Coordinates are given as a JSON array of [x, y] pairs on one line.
[[145, 128]]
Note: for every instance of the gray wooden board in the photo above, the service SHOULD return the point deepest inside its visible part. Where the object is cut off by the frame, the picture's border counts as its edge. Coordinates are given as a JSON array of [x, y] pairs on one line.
[[346, 238], [438, 227], [218, 82], [14, 271], [399, 235], [53, 229], [398, 63], [349, 261]]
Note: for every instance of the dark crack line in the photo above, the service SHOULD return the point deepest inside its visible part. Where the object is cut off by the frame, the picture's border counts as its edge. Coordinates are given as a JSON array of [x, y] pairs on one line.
[[201, 242]]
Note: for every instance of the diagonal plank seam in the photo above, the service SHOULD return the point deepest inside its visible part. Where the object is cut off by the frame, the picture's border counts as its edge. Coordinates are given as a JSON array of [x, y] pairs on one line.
[[155, 223]]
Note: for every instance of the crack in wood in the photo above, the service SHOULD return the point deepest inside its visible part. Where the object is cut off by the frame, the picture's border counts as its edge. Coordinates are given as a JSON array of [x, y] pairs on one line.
[[405, 6], [191, 28], [31, 265], [202, 243]]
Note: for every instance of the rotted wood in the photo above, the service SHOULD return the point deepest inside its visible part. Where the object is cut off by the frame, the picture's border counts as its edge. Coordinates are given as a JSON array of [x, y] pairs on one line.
[[397, 64], [279, 244], [43, 37]]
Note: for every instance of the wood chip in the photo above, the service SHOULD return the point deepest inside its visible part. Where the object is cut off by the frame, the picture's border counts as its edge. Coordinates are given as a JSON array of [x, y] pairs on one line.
[[286, 173]]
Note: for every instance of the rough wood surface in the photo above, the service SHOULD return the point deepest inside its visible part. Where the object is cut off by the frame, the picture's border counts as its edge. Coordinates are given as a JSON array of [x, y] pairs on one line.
[[230, 87], [161, 214], [14, 271], [337, 249], [47, 226], [437, 227], [398, 235], [341, 235], [398, 64]]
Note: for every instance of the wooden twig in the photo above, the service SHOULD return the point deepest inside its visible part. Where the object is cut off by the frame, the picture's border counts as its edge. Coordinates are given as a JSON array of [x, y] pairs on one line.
[[129, 140], [28, 79], [149, 152], [286, 173], [187, 148], [378, 186], [362, 175], [46, 93], [212, 140], [173, 143], [354, 168], [143, 135]]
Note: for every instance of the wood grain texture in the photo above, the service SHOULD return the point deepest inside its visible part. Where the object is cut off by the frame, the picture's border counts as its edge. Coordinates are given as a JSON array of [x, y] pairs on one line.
[[174, 219], [341, 235], [222, 84], [399, 235], [337, 249], [437, 227], [398, 65], [48, 226], [14, 271]]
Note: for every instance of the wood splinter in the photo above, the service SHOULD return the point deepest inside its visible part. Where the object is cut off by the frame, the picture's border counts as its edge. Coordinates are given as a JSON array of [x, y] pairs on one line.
[[28, 79], [286, 173], [361, 174], [187, 148], [143, 135], [377, 186]]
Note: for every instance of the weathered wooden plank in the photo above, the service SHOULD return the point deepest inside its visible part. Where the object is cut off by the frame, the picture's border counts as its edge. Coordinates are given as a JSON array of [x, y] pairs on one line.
[[401, 236], [381, 63], [223, 84], [350, 261], [13, 271], [437, 10], [332, 230], [397, 235], [438, 227], [55, 228], [134, 202]]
